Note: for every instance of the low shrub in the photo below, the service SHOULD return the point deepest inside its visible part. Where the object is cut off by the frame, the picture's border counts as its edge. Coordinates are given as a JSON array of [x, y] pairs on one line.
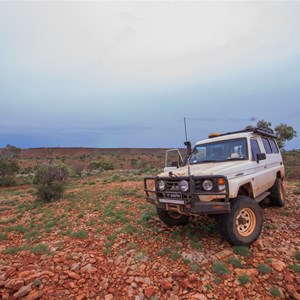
[[235, 261], [8, 165], [264, 269], [295, 268], [275, 291], [50, 182], [101, 165], [244, 279], [40, 249], [241, 250], [8, 181], [219, 268]]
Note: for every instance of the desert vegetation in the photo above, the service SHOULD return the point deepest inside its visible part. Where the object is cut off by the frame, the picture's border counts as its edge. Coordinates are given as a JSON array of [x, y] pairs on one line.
[[101, 240], [87, 161]]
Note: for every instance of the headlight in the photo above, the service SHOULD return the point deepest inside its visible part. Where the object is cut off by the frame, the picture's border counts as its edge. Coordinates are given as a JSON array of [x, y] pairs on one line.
[[161, 185], [183, 185], [207, 185]]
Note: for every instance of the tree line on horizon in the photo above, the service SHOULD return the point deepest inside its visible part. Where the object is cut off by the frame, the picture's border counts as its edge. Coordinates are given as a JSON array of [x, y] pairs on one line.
[[283, 131]]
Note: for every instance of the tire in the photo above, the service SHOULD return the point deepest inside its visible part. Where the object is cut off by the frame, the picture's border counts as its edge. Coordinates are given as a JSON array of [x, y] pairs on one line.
[[277, 194], [171, 218], [243, 224]]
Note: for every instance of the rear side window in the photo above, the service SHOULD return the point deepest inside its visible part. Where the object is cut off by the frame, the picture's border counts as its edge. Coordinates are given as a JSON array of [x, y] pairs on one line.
[[267, 145], [254, 149], [274, 146]]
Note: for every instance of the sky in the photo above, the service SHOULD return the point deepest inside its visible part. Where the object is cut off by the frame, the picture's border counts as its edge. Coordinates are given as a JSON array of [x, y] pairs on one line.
[[126, 74]]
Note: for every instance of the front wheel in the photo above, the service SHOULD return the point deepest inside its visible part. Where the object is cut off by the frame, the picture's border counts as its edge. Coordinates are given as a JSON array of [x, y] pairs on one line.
[[242, 225], [172, 218]]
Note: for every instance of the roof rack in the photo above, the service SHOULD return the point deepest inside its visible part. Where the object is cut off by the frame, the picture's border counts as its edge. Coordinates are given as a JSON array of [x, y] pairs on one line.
[[258, 130], [267, 132]]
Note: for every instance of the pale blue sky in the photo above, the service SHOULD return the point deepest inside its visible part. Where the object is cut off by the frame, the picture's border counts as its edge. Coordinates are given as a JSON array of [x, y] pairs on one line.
[[125, 74]]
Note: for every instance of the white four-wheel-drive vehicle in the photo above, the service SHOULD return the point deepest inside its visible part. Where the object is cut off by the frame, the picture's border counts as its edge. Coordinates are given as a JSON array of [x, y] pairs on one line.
[[226, 175]]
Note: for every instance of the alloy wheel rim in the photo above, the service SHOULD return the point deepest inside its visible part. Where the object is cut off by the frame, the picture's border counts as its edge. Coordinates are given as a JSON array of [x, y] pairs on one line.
[[245, 222]]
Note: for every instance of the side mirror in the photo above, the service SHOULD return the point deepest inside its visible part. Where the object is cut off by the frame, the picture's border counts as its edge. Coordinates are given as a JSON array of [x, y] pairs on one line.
[[260, 156], [188, 148]]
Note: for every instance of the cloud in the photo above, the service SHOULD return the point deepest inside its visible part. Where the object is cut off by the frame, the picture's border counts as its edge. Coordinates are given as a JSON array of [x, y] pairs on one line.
[[130, 71], [145, 41]]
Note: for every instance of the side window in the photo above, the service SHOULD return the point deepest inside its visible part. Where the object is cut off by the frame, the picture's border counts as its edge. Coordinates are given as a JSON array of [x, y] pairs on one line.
[[254, 148], [274, 146], [266, 145]]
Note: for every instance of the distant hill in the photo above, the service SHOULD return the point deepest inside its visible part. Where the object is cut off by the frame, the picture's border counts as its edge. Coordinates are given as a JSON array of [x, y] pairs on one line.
[[91, 152], [86, 159]]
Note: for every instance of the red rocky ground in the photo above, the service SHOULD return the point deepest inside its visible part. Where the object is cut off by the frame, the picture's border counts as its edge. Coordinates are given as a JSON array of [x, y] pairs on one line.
[[102, 241]]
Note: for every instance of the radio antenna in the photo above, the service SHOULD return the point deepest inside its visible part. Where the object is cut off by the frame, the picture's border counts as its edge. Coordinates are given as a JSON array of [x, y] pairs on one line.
[[188, 146], [186, 139]]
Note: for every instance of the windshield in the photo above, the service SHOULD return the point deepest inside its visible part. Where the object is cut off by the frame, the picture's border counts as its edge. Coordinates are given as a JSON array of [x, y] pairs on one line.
[[235, 149]]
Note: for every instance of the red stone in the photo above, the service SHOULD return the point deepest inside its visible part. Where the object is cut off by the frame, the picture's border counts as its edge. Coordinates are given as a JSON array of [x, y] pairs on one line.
[[193, 278], [72, 275], [149, 292], [293, 292], [82, 280], [34, 295], [186, 284], [30, 278], [240, 295], [14, 284], [199, 297], [5, 295], [24, 274], [23, 291], [166, 285], [288, 278]]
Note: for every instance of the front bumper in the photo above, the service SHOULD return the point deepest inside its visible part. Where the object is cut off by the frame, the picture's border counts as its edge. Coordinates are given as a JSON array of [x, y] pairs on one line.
[[189, 202]]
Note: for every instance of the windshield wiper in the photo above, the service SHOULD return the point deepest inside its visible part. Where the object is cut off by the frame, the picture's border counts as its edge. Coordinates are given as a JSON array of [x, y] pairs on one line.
[[236, 158]]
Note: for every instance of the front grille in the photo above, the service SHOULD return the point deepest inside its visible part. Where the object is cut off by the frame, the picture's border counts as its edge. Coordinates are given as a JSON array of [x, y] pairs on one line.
[[172, 185], [198, 185], [195, 185]]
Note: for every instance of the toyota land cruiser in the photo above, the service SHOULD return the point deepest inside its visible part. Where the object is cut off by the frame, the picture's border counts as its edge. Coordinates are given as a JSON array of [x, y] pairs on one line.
[[226, 175]]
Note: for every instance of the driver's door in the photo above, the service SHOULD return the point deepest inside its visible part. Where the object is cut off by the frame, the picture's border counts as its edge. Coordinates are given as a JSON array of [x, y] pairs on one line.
[[173, 160]]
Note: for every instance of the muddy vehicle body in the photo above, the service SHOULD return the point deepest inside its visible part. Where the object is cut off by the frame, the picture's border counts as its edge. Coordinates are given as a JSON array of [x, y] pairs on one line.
[[226, 176]]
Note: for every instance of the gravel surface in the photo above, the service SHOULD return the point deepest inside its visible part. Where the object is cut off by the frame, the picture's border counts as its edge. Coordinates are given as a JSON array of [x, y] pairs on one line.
[[103, 241]]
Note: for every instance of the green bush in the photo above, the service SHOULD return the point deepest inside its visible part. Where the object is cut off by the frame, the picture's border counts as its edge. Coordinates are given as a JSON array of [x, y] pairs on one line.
[[244, 279], [275, 291], [295, 268], [8, 181], [50, 181], [40, 249], [241, 250], [264, 269], [8, 168], [194, 268], [236, 262], [101, 165], [219, 268]]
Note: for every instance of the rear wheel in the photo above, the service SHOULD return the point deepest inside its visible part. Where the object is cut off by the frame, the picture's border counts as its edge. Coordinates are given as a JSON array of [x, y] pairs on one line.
[[243, 224], [277, 194], [172, 218]]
